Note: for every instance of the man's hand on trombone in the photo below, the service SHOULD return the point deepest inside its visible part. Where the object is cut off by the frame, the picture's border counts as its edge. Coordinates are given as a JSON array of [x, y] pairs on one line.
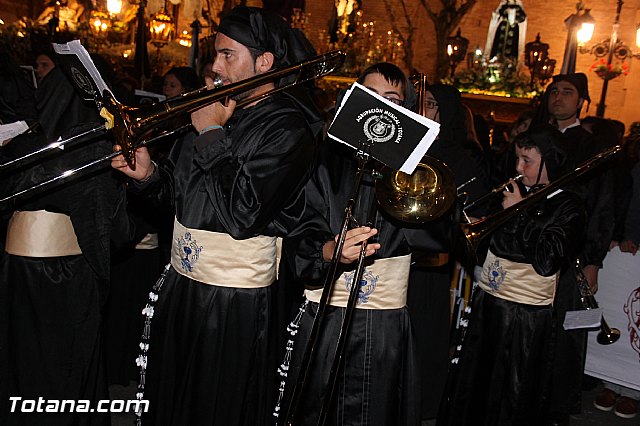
[[216, 114], [352, 242], [144, 165]]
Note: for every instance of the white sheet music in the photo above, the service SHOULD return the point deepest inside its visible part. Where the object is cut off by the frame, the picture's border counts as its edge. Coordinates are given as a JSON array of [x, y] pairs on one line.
[[587, 318], [76, 48], [11, 130], [346, 128]]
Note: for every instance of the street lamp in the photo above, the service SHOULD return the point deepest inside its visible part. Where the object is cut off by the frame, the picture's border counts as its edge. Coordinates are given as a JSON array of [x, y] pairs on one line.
[[457, 50], [611, 48], [580, 25]]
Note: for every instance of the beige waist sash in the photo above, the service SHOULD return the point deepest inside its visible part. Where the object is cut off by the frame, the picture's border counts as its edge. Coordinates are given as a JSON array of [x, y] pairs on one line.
[[517, 282], [383, 286], [41, 234], [217, 259]]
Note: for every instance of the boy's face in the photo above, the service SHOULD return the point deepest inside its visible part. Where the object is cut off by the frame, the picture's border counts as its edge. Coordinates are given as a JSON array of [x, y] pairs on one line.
[[377, 83], [528, 165]]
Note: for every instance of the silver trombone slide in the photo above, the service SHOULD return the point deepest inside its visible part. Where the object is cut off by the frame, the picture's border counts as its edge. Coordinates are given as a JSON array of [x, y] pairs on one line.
[[72, 172], [58, 144]]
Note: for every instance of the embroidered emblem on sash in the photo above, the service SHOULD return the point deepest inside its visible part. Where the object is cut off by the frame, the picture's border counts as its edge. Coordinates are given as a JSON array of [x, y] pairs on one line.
[[367, 284], [496, 275], [189, 252]]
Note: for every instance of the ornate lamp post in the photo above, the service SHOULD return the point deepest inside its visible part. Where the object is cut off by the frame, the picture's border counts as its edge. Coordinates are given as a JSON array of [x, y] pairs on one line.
[[457, 50], [535, 53], [610, 49]]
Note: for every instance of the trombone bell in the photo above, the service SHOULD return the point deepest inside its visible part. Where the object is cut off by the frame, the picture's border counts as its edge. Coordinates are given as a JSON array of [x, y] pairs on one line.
[[423, 196]]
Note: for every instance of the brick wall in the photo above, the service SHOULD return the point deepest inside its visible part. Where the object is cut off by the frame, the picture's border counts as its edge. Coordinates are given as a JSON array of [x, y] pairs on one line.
[[11, 10], [544, 16]]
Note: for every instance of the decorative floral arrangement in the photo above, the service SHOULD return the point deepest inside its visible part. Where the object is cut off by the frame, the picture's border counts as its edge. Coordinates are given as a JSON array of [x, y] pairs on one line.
[[608, 71], [496, 78]]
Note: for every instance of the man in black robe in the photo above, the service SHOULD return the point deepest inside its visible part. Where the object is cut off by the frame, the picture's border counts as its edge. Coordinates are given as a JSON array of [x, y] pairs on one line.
[[561, 105], [235, 184], [54, 274]]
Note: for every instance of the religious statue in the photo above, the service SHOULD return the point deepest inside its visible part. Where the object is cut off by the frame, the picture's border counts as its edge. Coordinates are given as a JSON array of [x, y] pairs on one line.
[[61, 15], [507, 31]]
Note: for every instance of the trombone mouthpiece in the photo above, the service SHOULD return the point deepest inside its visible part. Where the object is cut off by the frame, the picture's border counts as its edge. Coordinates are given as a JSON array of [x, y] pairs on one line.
[[509, 187]]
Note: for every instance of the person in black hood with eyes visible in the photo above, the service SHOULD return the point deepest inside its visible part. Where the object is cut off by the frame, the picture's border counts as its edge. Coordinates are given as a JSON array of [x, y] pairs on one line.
[[379, 381], [429, 286]]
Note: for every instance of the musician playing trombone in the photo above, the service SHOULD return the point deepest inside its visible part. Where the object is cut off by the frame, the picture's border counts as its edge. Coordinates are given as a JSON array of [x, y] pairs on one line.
[[500, 375], [378, 384], [236, 184]]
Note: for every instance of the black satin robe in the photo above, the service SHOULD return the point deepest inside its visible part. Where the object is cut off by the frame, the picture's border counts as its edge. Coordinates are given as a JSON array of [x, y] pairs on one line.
[[597, 192], [503, 369], [51, 308], [211, 355], [380, 381]]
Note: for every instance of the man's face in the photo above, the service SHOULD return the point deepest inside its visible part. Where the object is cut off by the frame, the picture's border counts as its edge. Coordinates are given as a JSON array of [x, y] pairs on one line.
[[564, 100], [233, 62], [377, 83]]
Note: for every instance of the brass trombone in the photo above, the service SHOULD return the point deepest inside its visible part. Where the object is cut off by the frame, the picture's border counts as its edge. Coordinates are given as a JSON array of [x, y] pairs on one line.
[[475, 232], [133, 127], [493, 192], [426, 194]]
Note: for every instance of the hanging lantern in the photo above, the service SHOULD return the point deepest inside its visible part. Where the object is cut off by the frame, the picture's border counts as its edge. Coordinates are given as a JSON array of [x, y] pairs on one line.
[[100, 23], [162, 28], [534, 52], [184, 39], [456, 49]]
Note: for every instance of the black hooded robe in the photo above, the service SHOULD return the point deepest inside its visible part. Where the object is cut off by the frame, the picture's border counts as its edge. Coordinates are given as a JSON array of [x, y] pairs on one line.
[[501, 374], [51, 306]]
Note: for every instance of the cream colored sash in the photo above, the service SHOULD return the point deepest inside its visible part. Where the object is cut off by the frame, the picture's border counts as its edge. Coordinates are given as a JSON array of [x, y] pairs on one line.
[[517, 282], [217, 259], [383, 286], [148, 242], [41, 234]]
